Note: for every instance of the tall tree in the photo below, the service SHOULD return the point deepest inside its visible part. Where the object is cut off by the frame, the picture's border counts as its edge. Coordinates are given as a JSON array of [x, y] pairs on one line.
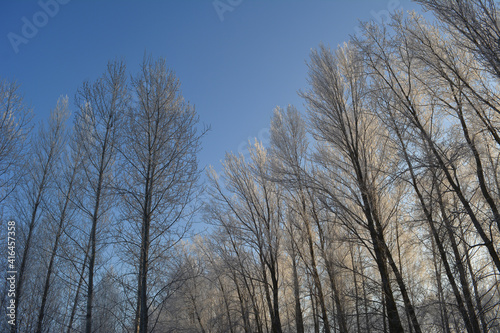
[[355, 146], [256, 207], [289, 146], [60, 214], [100, 109], [45, 149], [160, 149], [15, 117]]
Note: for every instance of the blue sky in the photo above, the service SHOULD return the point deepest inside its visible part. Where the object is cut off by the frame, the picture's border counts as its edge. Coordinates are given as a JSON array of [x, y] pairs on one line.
[[236, 63]]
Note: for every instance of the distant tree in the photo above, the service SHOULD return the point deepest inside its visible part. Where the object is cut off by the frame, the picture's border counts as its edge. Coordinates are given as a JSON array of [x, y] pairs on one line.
[[289, 146], [256, 209]]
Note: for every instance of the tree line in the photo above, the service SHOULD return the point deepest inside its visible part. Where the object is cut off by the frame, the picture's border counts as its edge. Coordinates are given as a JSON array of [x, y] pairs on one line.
[[375, 210]]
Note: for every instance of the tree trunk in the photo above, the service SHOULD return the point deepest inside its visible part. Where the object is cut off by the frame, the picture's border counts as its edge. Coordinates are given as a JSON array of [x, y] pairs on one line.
[[78, 288], [31, 226], [299, 321]]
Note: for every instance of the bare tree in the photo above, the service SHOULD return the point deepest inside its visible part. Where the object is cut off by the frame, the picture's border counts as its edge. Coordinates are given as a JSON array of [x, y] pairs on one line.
[[160, 172], [431, 92], [60, 214], [475, 26], [257, 210], [355, 146], [100, 109], [376, 211], [15, 120], [45, 150], [289, 145]]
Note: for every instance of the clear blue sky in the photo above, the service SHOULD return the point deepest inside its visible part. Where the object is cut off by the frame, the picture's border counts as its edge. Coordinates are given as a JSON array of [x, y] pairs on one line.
[[235, 70]]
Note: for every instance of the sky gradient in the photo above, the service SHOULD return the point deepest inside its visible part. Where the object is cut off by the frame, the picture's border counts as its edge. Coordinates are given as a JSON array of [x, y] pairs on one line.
[[236, 59]]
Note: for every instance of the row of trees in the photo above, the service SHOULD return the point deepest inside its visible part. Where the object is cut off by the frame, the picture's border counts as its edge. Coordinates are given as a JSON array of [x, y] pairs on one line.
[[376, 211], [120, 181]]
